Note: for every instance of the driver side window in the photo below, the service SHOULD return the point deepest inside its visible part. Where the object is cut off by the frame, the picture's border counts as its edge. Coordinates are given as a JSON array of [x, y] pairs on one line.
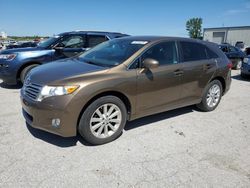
[[164, 53], [73, 42]]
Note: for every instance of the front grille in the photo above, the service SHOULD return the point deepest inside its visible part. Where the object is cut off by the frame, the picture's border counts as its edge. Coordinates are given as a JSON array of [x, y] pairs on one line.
[[32, 90]]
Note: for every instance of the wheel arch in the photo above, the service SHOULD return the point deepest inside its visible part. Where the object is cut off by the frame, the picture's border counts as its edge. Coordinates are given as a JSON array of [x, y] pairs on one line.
[[222, 81], [24, 66], [118, 94]]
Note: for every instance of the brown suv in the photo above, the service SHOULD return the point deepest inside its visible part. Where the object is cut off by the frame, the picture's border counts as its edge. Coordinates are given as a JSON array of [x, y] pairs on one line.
[[123, 79]]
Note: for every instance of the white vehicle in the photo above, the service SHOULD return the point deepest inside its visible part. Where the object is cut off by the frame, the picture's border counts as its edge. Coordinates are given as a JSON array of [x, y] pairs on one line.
[[2, 46]]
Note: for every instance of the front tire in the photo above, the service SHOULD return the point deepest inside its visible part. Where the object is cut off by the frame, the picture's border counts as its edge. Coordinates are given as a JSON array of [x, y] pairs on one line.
[[103, 120], [211, 97], [25, 71]]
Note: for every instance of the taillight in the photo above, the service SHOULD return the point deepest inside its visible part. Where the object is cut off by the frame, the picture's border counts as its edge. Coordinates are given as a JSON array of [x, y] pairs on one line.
[[230, 65]]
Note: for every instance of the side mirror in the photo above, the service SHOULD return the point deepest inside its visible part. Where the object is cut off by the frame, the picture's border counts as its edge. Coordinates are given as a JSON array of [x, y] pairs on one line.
[[149, 63]]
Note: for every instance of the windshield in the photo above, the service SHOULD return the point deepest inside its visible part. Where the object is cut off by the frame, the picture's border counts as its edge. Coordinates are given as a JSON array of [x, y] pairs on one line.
[[48, 42], [113, 52]]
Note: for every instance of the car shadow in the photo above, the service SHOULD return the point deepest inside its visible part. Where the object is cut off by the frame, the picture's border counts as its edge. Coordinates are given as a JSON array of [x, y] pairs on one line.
[[158, 117], [238, 77], [55, 139], [72, 141], [6, 86]]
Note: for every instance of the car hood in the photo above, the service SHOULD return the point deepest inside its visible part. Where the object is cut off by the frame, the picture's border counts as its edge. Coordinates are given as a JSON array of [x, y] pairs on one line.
[[17, 50], [60, 70]]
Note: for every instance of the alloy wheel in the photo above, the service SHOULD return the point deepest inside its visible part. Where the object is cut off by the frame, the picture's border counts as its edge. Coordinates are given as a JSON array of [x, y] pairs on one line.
[[106, 120], [213, 95]]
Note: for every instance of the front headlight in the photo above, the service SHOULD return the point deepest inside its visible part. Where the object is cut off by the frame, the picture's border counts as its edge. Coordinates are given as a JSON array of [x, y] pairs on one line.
[[8, 57], [49, 91]]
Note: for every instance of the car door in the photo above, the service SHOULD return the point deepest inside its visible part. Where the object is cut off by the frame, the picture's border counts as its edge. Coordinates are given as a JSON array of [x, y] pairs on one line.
[[197, 69], [70, 46], [159, 89]]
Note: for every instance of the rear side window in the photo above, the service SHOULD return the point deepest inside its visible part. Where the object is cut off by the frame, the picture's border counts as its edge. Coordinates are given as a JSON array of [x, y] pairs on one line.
[[96, 39], [192, 51], [224, 48], [211, 54], [74, 41]]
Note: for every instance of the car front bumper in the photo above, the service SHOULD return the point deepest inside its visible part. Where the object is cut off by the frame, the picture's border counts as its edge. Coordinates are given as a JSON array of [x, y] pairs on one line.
[[40, 115], [8, 73]]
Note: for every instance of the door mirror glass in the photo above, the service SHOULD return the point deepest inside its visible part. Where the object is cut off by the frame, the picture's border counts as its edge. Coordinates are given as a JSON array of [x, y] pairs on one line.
[[149, 63]]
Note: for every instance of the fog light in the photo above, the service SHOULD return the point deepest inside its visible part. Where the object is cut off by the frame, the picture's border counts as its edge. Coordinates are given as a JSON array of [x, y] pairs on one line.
[[56, 123]]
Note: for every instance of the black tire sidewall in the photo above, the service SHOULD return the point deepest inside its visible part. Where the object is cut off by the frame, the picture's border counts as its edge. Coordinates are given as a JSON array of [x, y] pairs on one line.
[[204, 98], [25, 71], [84, 127]]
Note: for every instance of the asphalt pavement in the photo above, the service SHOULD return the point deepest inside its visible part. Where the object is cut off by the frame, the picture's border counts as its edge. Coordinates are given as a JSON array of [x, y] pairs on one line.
[[179, 148]]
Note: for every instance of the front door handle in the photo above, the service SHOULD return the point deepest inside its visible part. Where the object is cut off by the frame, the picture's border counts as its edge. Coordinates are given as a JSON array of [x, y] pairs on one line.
[[178, 72]]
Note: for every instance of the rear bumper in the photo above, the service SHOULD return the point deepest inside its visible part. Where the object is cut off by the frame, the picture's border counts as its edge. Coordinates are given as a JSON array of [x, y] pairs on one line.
[[228, 81]]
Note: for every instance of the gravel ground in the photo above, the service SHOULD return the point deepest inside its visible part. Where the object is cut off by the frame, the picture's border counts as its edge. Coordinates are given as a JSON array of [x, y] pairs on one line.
[[179, 148]]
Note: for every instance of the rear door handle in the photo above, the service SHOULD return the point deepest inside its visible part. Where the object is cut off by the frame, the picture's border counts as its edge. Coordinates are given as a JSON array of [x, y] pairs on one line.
[[209, 66], [178, 72]]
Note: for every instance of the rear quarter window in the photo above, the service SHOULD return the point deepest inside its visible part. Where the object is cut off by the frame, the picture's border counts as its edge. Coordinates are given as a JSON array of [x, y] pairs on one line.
[[211, 54], [192, 51]]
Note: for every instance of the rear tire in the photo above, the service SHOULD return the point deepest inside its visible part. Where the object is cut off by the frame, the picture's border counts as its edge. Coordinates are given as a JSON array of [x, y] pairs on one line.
[[99, 125], [25, 71], [243, 75], [211, 97]]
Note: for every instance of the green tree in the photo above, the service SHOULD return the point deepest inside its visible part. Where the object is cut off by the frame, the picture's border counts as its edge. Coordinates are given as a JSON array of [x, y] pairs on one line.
[[193, 26]]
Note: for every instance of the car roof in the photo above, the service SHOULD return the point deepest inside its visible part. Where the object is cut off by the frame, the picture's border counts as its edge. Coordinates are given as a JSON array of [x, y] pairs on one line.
[[92, 32], [159, 38]]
